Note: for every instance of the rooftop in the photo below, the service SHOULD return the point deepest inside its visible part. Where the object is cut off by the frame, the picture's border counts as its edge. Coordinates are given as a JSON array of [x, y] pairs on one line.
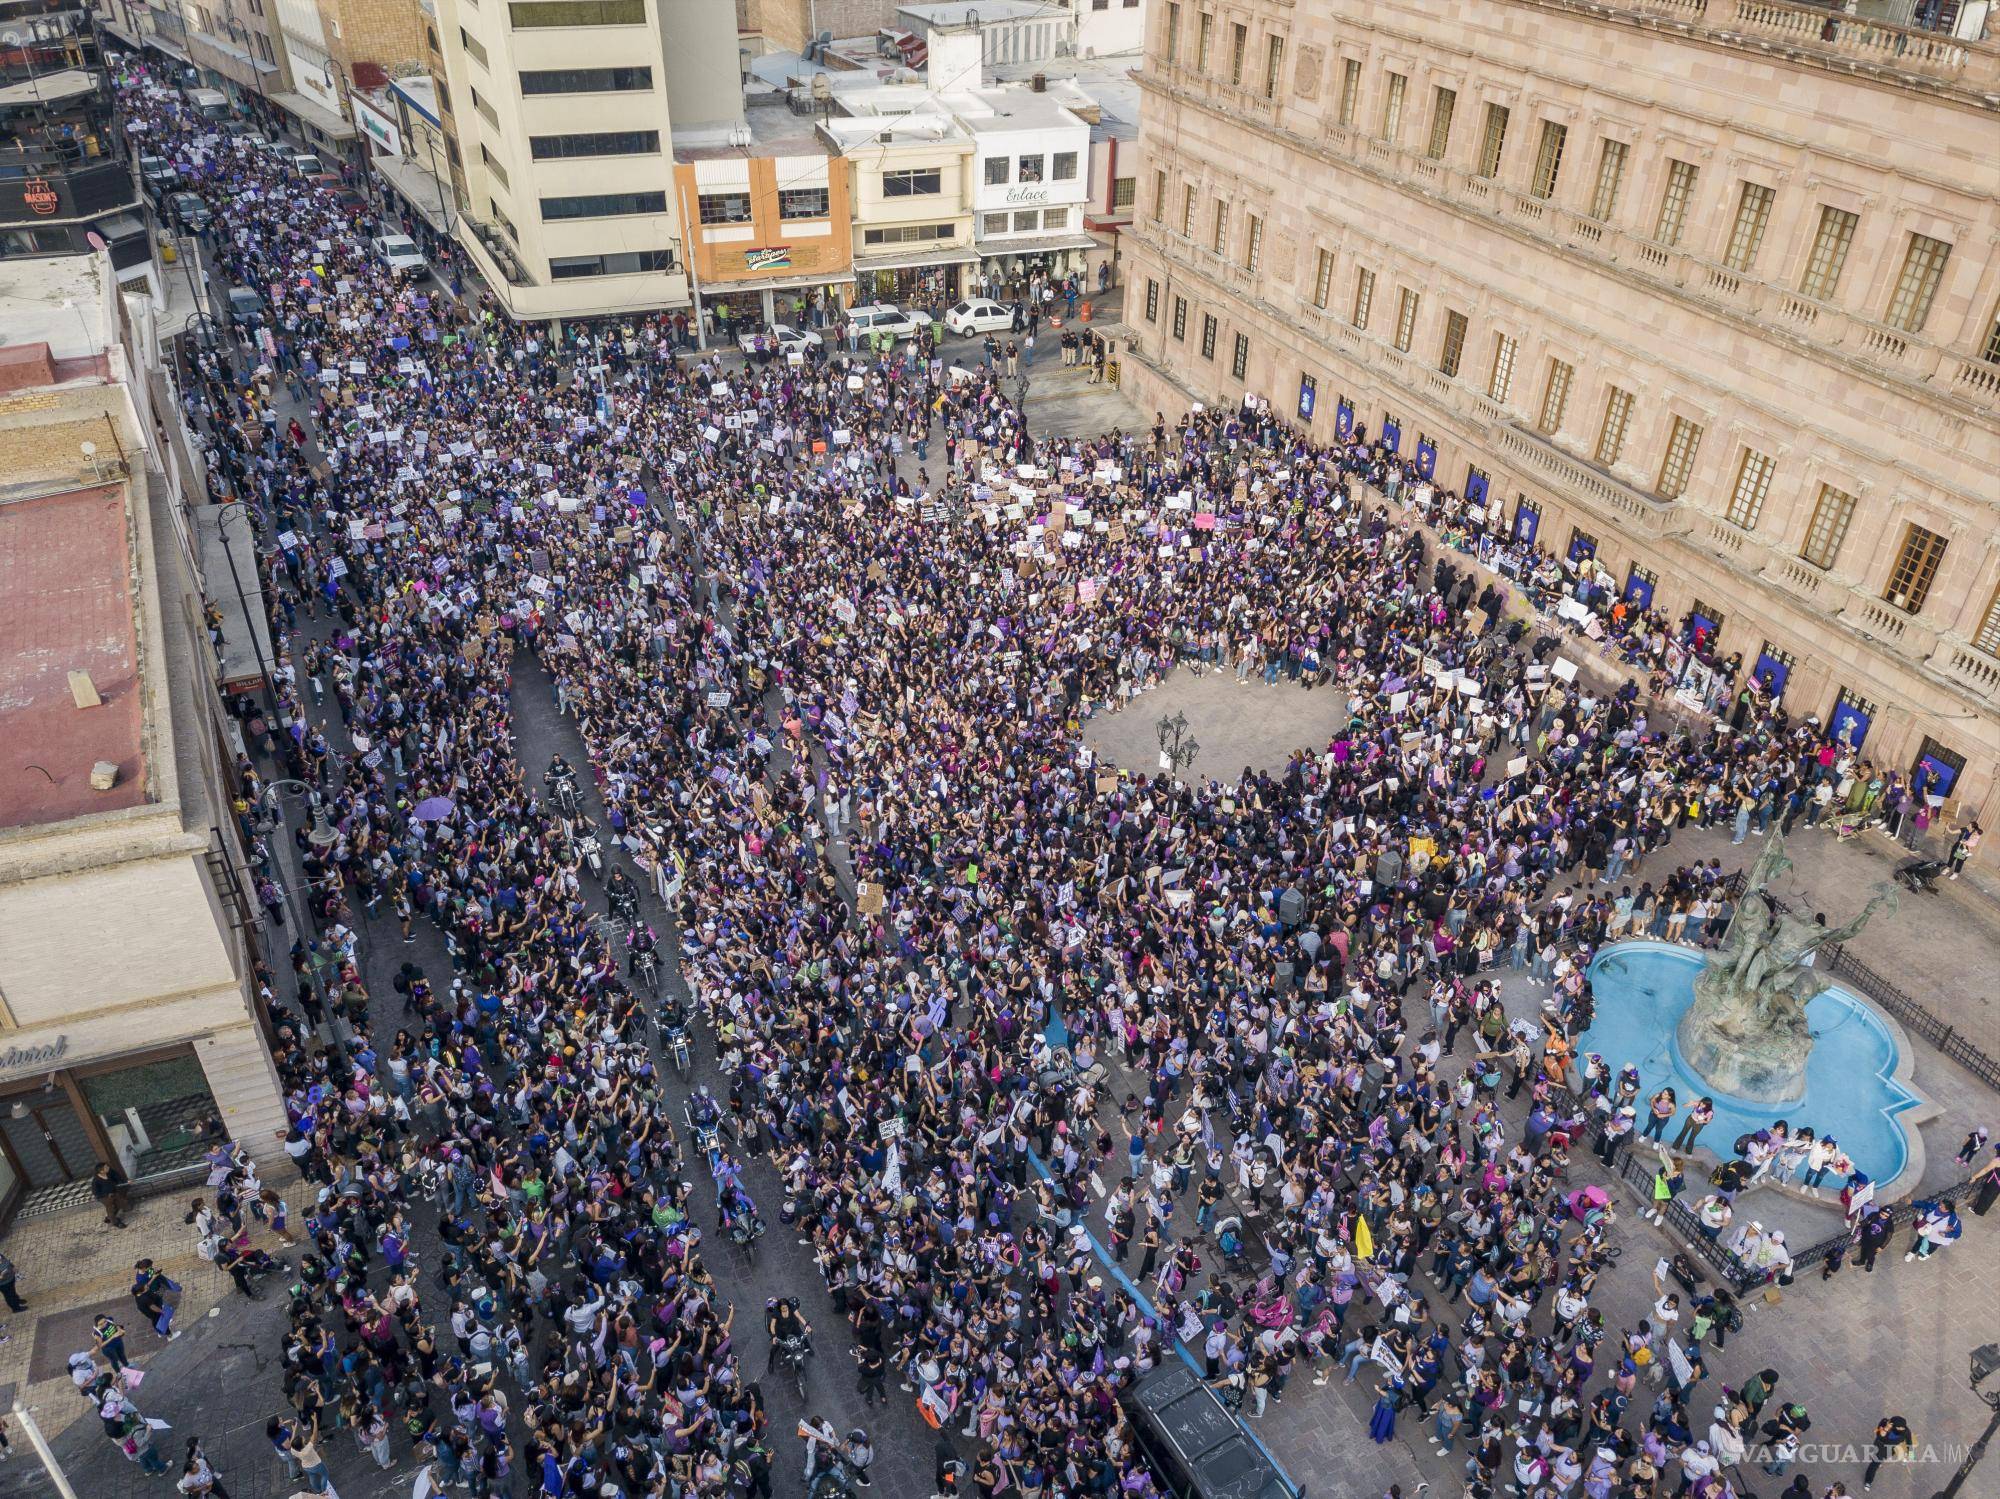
[[1106, 82], [63, 301], [769, 128], [983, 13], [66, 576], [49, 88]]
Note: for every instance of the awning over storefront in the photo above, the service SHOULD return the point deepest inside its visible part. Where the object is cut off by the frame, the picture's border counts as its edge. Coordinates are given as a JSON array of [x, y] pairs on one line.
[[785, 283], [419, 188], [233, 52], [317, 115], [179, 54], [1048, 244], [229, 561], [117, 34], [913, 259]]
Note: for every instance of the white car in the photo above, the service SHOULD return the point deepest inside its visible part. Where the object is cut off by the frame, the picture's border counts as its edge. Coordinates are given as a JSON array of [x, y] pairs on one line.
[[881, 317], [979, 315], [399, 252], [780, 336]]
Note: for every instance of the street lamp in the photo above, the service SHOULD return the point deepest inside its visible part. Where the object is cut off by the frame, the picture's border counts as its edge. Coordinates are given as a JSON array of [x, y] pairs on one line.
[[1985, 1364], [320, 837], [1178, 748]]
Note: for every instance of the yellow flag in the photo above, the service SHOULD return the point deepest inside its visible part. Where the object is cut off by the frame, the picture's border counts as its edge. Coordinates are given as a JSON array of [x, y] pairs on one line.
[[1364, 1242]]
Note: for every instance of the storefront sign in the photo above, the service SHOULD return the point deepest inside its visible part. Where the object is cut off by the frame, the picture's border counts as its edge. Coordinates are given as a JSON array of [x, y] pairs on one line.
[[27, 1058], [378, 127], [1027, 195], [773, 258], [40, 197]]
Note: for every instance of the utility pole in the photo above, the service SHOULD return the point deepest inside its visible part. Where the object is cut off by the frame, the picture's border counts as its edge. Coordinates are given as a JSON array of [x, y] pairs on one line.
[[40, 1443]]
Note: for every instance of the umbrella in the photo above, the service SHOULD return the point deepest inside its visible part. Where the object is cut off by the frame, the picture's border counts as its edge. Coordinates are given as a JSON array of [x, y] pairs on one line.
[[433, 809]]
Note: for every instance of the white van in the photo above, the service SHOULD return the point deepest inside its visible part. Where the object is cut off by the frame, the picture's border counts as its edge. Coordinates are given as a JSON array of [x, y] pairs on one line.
[[209, 103]]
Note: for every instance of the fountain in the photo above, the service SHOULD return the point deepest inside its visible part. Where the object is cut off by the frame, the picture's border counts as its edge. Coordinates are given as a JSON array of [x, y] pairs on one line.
[[1746, 1032]]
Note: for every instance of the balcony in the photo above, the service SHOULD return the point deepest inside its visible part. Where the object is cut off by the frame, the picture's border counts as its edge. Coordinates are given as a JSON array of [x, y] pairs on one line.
[[1639, 512], [1879, 620], [1971, 671], [43, 188]]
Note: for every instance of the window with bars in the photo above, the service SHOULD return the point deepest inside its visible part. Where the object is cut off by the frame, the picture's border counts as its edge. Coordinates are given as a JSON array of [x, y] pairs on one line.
[[1549, 160], [1617, 417], [1209, 328], [1753, 483], [1555, 396], [1152, 301], [1444, 103], [1187, 211], [1991, 353], [1502, 379], [1674, 201], [1218, 229], [1159, 196], [1239, 364], [1406, 320], [1493, 141], [1204, 41], [1831, 242], [1610, 179], [1917, 283], [1350, 91], [1323, 279], [1392, 106], [1239, 45], [1124, 191], [1683, 440], [1832, 513], [1253, 241], [1987, 636], [1916, 568], [1364, 296], [1180, 319], [1173, 36], [1274, 64], [1746, 235], [1452, 353]]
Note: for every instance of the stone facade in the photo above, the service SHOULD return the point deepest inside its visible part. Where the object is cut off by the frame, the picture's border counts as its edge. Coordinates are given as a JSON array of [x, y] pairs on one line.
[[1708, 284]]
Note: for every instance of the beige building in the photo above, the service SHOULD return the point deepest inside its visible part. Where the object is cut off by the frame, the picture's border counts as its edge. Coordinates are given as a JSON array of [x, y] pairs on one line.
[[127, 1021], [1707, 288]]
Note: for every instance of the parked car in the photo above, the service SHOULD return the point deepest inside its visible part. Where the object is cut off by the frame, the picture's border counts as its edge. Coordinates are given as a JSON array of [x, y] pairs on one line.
[[160, 175], [305, 164], [401, 255], [782, 337], [1192, 1441], [979, 315], [245, 306], [881, 317], [190, 212]]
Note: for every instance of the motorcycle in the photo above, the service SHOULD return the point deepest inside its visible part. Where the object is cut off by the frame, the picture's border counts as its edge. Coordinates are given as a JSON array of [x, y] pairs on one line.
[[593, 855], [677, 1045], [625, 905], [563, 789], [1920, 874], [788, 1357], [646, 970]]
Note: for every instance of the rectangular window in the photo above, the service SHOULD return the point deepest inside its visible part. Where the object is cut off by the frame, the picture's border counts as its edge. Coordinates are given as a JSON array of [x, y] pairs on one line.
[[1683, 441], [585, 80], [1831, 242], [604, 205], [1617, 417], [1987, 636], [1204, 41], [1274, 64], [1180, 317], [1549, 160], [537, 15], [1173, 37], [1915, 570], [1253, 242], [1027, 220], [1746, 235], [1239, 365], [1502, 379], [996, 223], [1062, 166], [996, 171], [1392, 106], [1209, 328], [1753, 483], [1187, 212], [1916, 286], [1555, 396], [594, 143], [907, 234], [1364, 296], [1152, 300], [1029, 169], [1406, 320], [1350, 91], [1674, 202], [1055, 218], [1991, 353], [803, 203], [1323, 279], [1493, 141], [1444, 102], [1218, 229], [1452, 354], [1159, 197], [493, 165], [1239, 44], [471, 44], [724, 208], [1831, 516], [625, 263], [1610, 178], [913, 182]]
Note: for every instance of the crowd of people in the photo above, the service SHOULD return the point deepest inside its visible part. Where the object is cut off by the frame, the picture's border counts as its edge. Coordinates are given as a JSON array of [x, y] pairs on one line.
[[996, 1016]]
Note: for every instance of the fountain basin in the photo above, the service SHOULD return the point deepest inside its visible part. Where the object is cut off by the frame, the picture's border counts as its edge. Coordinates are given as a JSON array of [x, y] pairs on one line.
[[1857, 1082]]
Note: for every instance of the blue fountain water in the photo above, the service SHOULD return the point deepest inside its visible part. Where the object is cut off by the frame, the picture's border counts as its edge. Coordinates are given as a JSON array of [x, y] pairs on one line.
[[1643, 989]]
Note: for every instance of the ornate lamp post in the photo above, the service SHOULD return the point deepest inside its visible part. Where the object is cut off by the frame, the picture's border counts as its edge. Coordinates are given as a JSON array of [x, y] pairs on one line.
[[1178, 748]]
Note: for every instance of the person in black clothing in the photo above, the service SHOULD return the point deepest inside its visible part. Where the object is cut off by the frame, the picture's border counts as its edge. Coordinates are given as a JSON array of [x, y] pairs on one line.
[[107, 1185], [874, 1371]]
